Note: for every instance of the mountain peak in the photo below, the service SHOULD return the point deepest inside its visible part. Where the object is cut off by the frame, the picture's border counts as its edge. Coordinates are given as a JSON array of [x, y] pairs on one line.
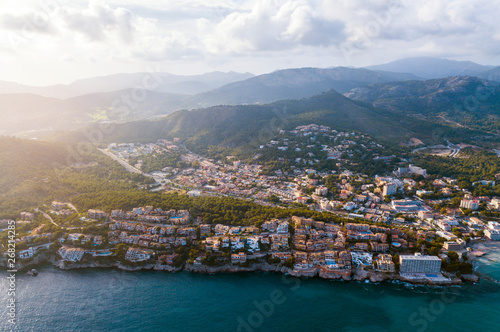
[[429, 67]]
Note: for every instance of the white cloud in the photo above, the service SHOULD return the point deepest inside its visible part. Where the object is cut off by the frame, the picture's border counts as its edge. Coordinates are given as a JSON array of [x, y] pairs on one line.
[[273, 26], [99, 22], [258, 35]]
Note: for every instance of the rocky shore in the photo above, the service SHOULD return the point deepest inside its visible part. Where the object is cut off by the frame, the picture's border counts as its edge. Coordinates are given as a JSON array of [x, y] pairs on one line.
[[359, 274], [260, 267]]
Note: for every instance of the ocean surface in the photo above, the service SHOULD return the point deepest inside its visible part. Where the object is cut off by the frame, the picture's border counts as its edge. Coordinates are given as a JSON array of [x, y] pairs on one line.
[[114, 300]]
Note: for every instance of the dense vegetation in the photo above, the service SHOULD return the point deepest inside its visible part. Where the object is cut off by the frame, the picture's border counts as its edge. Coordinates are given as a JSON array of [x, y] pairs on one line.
[[35, 172], [460, 101], [224, 210], [233, 127], [472, 165], [157, 161]]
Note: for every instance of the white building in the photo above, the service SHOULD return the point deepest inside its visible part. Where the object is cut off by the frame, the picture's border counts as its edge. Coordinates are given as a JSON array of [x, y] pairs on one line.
[[253, 243], [470, 204], [425, 215], [71, 254], [321, 191], [492, 231], [417, 170], [419, 264], [349, 206], [389, 189], [494, 225], [492, 234], [138, 255], [194, 193], [26, 253], [443, 225], [403, 205], [96, 214], [422, 192], [456, 245], [411, 169], [282, 227], [495, 203]]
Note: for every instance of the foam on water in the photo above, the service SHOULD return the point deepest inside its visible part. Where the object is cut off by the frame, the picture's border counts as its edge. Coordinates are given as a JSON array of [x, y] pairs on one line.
[[114, 300]]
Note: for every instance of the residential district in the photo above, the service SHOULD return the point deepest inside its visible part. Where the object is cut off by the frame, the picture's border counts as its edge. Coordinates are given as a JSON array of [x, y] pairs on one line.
[[299, 246], [400, 225]]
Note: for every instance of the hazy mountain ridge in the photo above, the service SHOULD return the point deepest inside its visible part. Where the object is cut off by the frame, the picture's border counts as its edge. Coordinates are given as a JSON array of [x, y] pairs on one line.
[[29, 112], [128, 105], [155, 81], [430, 68], [250, 125], [492, 74], [392, 91], [292, 84]]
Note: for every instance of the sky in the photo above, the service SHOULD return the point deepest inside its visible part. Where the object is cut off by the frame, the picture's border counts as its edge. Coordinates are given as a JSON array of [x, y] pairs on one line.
[[46, 42]]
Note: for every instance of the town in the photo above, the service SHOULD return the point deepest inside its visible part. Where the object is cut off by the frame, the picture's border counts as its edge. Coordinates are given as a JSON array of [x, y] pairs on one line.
[[302, 245], [403, 222]]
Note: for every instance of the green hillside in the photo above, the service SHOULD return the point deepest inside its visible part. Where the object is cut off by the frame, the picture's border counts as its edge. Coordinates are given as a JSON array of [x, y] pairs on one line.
[[458, 101], [231, 127], [32, 173]]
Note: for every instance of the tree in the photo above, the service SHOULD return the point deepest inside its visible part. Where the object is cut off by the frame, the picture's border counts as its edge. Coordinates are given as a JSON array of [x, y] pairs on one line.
[[274, 199], [457, 232], [121, 249], [395, 259], [452, 255], [433, 251], [290, 262], [54, 247], [466, 268]]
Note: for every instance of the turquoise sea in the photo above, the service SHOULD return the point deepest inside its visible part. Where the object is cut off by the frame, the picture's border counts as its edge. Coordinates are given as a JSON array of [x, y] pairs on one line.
[[114, 300]]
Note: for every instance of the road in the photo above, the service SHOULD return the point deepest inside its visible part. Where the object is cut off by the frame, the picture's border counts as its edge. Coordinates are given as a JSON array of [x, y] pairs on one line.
[[47, 217], [129, 167], [455, 149], [73, 207]]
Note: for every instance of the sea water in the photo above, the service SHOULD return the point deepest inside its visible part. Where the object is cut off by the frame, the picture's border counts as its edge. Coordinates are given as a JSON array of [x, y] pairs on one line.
[[115, 300]]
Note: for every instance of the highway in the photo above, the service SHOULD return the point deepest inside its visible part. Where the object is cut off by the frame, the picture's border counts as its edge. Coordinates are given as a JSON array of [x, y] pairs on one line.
[[122, 162]]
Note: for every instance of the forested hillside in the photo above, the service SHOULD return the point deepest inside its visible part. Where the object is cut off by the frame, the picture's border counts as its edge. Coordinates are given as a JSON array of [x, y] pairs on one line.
[[231, 127], [458, 101], [33, 173]]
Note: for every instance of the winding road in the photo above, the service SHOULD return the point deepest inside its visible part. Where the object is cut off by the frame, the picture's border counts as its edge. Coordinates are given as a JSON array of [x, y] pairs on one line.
[[47, 217]]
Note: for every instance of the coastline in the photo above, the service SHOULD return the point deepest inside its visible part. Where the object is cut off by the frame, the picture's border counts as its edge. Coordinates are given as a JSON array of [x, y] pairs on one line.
[[358, 274]]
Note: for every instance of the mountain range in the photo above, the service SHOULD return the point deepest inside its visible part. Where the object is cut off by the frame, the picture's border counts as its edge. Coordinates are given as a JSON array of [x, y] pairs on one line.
[[136, 97], [460, 100], [243, 128], [138, 103], [153, 81], [429, 68], [293, 84]]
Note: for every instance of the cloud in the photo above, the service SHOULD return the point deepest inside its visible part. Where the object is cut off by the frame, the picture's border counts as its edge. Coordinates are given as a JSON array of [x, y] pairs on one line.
[[191, 29], [100, 22], [27, 22], [254, 35], [273, 26]]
